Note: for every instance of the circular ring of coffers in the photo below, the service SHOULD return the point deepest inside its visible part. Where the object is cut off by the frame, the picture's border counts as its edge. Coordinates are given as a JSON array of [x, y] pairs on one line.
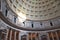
[[35, 10]]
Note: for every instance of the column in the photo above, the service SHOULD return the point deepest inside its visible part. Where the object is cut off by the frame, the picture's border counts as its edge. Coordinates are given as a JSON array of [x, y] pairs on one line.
[[15, 35], [36, 36], [10, 34], [19, 35], [31, 36], [52, 35], [48, 36], [57, 36], [39, 36], [13, 31], [7, 34], [0, 35], [27, 36]]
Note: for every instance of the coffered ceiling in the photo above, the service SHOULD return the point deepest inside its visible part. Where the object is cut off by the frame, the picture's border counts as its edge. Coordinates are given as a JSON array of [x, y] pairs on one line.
[[35, 9]]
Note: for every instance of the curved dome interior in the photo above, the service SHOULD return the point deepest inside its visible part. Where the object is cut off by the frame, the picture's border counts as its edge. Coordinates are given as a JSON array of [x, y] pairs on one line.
[[35, 9], [28, 20]]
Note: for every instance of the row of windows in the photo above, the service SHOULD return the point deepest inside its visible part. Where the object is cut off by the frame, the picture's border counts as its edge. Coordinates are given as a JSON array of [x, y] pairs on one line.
[[24, 22], [6, 13], [27, 14], [32, 24]]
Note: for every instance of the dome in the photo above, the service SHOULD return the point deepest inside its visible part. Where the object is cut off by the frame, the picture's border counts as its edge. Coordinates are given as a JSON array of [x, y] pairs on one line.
[[31, 15], [35, 9], [29, 19]]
